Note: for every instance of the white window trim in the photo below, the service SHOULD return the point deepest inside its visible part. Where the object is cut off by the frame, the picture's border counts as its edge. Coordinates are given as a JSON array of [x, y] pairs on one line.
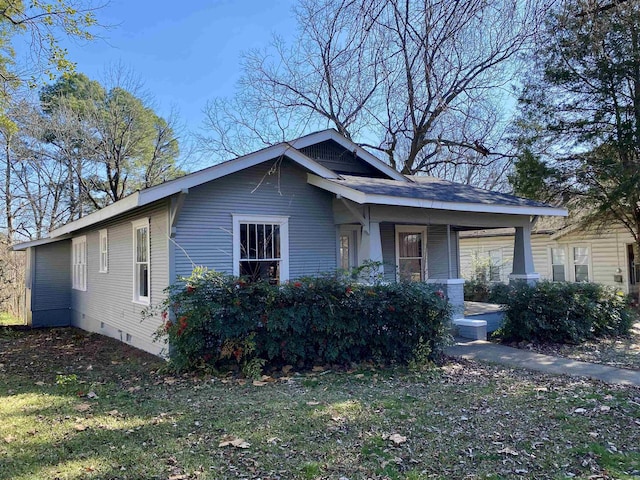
[[284, 240], [412, 229], [74, 280], [571, 262], [354, 232], [144, 222], [104, 265], [500, 265], [566, 263]]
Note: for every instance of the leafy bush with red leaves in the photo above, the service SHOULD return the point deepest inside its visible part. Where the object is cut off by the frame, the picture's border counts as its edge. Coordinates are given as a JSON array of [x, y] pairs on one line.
[[212, 318]]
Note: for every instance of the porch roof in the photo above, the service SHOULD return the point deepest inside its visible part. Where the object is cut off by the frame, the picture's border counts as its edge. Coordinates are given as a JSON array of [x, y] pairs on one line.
[[431, 192]]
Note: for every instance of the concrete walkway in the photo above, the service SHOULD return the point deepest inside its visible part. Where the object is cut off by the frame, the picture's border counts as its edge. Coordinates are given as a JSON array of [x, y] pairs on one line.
[[514, 357]]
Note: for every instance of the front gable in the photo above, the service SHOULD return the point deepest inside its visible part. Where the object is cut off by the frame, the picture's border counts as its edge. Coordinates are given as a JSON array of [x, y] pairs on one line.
[[335, 157], [204, 233]]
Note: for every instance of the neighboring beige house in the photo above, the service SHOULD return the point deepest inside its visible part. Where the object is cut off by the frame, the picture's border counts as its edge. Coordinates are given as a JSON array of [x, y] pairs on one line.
[[562, 251]]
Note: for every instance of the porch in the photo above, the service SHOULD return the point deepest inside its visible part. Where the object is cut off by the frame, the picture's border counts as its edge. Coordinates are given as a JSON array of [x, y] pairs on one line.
[[414, 244]]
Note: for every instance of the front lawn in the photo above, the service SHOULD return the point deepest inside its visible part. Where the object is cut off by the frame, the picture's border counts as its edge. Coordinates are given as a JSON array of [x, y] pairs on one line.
[[75, 405]]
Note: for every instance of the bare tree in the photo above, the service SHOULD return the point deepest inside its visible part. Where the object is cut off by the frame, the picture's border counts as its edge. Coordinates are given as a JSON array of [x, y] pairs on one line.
[[423, 82]]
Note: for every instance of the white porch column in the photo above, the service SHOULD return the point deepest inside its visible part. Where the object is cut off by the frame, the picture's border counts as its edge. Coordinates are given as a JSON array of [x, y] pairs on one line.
[[523, 269], [371, 247]]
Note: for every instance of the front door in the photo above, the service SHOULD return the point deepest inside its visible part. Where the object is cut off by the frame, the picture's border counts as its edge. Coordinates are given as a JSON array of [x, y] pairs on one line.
[[411, 253], [348, 247]]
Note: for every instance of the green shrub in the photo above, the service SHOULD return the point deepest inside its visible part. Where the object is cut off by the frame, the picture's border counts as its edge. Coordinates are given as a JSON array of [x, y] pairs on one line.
[[481, 291], [476, 291], [213, 319], [564, 312], [499, 293]]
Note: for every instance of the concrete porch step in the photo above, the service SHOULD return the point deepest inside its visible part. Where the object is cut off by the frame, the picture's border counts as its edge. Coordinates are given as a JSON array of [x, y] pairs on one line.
[[471, 328]]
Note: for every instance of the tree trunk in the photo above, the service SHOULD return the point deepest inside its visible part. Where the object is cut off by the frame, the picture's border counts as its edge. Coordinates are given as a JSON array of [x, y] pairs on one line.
[[8, 199]]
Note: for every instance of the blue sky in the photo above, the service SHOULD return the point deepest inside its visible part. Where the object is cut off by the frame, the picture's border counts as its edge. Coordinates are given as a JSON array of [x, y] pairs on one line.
[[185, 53]]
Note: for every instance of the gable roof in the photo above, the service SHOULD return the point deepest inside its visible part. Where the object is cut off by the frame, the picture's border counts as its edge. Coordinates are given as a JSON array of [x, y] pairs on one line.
[[397, 189], [431, 192], [331, 134], [171, 187]]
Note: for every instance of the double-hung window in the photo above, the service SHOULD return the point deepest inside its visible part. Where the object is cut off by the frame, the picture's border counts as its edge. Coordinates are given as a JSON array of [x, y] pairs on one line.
[[581, 264], [104, 252], [261, 247], [141, 261], [79, 263], [495, 265], [558, 264]]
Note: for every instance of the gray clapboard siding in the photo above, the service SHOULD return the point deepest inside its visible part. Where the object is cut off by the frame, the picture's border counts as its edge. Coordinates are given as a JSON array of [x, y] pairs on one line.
[[204, 226], [51, 285], [107, 306], [437, 263], [388, 240], [455, 254], [437, 266]]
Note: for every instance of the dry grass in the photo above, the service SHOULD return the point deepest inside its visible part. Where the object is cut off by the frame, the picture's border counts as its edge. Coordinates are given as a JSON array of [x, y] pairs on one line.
[[6, 319]]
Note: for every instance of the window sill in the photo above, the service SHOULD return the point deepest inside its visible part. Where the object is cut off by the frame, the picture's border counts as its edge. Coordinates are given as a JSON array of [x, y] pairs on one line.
[[146, 303]]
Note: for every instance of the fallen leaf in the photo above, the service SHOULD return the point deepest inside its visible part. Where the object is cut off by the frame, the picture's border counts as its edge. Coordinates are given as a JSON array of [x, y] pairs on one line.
[[79, 427], [134, 389], [258, 383], [580, 410], [286, 369], [267, 378], [509, 451], [40, 384], [317, 368], [92, 395], [9, 438], [113, 413], [397, 438], [313, 404], [605, 408], [234, 442], [82, 407], [169, 380], [273, 440]]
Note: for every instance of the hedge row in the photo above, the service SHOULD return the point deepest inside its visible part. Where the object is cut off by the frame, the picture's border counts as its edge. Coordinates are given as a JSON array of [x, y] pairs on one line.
[[211, 318], [558, 312], [479, 291]]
